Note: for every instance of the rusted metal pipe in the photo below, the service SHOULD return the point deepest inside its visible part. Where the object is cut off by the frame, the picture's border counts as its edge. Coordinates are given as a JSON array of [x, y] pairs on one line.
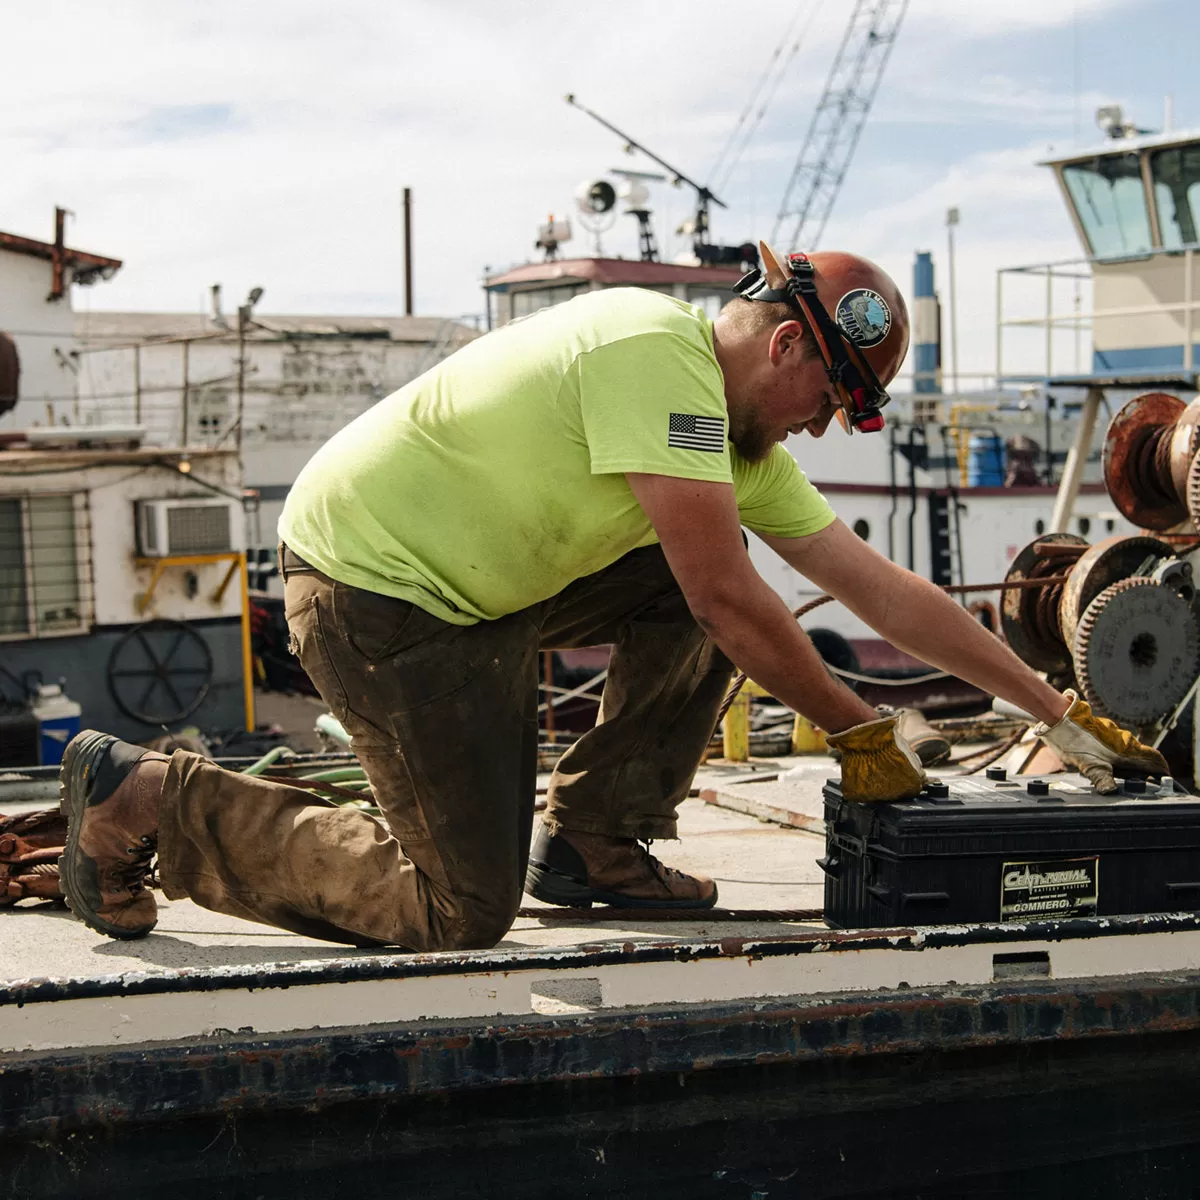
[[58, 257], [408, 277]]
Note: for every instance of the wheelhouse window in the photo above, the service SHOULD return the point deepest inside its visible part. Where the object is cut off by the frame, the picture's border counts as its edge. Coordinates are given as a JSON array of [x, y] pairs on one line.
[[1176, 175], [1110, 201], [45, 582]]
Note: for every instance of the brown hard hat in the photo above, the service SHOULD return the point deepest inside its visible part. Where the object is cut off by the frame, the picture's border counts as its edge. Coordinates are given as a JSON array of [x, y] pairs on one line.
[[867, 305], [861, 297]]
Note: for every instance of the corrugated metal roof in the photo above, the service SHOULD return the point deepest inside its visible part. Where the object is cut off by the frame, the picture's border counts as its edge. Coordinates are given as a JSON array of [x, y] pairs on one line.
[[136, 327], [614, 271]]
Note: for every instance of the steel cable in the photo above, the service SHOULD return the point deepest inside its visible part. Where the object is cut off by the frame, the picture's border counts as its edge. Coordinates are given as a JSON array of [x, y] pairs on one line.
[[777, 64], [951, 589]]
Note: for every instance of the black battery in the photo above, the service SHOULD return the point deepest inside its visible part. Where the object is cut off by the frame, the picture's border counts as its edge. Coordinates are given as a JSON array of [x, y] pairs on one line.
[[970, 850]]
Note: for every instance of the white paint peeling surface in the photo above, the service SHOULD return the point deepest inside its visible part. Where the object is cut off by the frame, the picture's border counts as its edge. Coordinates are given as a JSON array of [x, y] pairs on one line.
[[270, 1005]]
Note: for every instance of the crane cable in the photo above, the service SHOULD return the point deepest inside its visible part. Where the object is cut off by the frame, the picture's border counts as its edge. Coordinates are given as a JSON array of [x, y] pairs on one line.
[[777, 64]]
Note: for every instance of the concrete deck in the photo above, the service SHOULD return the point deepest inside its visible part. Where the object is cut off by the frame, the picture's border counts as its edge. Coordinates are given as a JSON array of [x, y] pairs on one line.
[[757, 865], [219, 1057]]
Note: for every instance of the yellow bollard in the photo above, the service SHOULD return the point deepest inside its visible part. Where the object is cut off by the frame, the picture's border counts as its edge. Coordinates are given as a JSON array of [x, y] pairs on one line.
[[807, 738], [735, 730]]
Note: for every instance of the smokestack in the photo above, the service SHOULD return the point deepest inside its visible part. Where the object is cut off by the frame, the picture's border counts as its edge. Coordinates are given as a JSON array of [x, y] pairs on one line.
[[218, 317], [927, 327]]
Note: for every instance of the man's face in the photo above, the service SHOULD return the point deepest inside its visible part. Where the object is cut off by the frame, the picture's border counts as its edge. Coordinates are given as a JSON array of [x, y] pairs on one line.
[[789, 393]]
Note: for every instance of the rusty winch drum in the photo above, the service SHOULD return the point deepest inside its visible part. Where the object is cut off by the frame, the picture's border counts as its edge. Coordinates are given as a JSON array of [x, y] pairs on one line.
[[1149, 454]]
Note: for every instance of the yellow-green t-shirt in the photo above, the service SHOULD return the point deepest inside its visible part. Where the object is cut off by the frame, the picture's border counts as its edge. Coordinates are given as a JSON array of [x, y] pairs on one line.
[[497, 478]]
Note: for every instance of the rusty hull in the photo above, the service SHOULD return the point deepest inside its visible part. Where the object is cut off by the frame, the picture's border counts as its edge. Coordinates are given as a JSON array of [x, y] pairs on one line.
[[45, 1096], [836, 1097], [49, 1094]]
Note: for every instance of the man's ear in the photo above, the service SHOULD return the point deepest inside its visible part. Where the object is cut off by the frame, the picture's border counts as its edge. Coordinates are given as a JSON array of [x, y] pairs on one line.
[[787, 340]]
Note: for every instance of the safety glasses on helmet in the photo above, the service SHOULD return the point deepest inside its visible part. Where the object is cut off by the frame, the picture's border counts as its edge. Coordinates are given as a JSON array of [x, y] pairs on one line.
[[859, 391]]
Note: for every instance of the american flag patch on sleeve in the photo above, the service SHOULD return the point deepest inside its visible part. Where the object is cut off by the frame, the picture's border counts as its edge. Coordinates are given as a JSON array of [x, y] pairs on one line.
[[687, 431]]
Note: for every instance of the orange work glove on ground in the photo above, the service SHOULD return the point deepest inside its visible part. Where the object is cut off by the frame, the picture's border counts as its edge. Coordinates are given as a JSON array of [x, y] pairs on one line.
[[877, 763], [1094, 746]]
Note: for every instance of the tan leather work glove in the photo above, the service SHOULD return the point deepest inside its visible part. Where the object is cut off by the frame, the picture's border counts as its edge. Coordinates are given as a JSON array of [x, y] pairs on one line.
[[1095, 746], [877, 763]]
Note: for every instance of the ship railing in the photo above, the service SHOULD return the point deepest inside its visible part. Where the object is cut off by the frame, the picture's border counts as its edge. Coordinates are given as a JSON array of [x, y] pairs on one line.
[[1064, 304]]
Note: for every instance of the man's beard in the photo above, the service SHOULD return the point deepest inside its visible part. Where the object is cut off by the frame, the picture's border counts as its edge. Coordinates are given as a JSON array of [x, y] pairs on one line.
[[752, 440]]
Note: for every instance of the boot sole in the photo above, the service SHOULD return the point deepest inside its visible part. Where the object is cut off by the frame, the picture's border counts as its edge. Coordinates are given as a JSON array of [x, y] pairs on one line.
[[78, 759], [553, 887]]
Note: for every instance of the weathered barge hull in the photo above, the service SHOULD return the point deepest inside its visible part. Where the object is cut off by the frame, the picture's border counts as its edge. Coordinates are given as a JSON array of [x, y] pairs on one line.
[[1081, 1086]]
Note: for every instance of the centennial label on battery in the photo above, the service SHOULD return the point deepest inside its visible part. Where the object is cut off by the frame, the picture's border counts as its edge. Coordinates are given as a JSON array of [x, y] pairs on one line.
[[1064, 887]]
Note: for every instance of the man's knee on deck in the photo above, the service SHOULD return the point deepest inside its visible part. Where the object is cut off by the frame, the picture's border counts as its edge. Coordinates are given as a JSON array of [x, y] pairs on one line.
[[479, 924], [471, 921]]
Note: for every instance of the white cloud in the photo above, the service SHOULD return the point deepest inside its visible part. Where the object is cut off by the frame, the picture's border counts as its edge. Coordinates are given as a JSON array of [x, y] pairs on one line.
[[268, 143], [965, 19]]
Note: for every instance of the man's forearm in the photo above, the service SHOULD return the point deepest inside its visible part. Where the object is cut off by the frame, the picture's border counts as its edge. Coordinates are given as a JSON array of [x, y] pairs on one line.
[[756, 631], [920, 619]]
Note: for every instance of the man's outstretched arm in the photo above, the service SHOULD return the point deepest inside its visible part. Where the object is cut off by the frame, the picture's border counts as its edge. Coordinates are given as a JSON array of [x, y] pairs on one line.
[[697, 525], [917, 617], [920, 618]]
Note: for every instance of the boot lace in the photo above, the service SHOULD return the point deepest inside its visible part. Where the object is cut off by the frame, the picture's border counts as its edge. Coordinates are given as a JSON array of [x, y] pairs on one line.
[[657, 866], [135, 875]]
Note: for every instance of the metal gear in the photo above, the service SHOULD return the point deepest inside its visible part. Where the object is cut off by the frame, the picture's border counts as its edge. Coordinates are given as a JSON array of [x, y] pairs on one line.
[[1100, 566], [1185, 441], [1193, 491], [1136, 651]]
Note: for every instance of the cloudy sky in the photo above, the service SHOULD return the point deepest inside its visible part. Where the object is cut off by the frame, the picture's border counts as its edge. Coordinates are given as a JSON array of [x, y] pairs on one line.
[[267, 143]]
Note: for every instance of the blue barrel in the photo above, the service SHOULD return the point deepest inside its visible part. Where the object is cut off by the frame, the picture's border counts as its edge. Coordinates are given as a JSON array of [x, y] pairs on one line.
[[985, 460]]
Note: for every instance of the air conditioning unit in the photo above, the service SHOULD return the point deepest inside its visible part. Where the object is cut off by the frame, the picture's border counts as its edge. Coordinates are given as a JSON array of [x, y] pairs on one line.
[[188, 525]]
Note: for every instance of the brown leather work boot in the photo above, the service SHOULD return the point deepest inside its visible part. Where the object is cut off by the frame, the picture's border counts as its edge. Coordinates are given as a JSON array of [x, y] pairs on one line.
[[579, 869], [110, 793]]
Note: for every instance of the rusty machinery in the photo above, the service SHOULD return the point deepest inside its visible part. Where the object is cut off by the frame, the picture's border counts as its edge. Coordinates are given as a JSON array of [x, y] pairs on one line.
[[1122, 626], [1151, 468]]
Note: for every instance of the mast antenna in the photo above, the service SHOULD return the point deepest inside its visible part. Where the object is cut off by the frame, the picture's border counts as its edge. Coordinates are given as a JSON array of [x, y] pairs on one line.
[[705, 252]]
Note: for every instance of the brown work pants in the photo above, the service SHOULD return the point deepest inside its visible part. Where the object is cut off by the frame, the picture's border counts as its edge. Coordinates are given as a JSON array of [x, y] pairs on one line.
[[444, 721]]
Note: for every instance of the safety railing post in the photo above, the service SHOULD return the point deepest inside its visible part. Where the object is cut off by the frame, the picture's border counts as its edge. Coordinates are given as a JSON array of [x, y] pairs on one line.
[[1189, 291]]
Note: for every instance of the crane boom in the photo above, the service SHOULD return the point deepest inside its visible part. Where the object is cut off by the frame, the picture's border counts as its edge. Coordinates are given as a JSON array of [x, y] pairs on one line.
[[838, 120]]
